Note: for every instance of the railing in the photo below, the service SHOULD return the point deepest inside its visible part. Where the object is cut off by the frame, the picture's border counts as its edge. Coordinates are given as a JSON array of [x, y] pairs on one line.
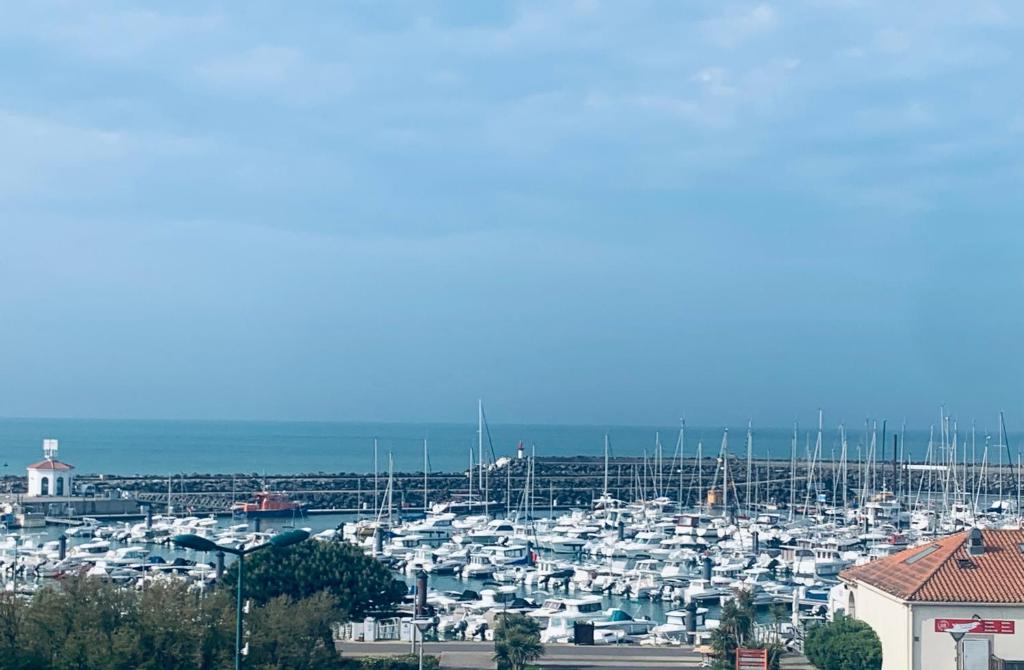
[[380, 630]]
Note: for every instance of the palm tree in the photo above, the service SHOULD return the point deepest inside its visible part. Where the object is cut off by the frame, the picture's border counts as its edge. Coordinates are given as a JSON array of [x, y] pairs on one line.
[[735, 627], [516, 642]]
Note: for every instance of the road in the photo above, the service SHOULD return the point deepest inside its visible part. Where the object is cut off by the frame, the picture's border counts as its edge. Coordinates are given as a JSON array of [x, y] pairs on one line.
[[477, 655]]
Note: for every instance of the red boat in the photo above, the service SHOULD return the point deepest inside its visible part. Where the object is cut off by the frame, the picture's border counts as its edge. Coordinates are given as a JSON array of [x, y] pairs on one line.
[[269, 504]]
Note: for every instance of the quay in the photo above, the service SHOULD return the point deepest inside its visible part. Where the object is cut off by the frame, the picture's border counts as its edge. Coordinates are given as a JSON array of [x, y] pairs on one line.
[[475, 655]]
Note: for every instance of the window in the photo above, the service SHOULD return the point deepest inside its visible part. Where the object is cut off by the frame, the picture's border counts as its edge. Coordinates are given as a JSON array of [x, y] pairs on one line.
[[59, 488], [44, 486], [930, 549]]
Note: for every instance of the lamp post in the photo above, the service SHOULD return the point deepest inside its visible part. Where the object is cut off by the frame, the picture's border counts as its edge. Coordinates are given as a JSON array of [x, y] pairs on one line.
[[422, 625], [957, 632], [199, 543]]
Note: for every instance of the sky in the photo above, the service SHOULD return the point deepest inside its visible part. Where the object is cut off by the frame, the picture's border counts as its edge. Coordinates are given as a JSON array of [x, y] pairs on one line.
[[583, 212]]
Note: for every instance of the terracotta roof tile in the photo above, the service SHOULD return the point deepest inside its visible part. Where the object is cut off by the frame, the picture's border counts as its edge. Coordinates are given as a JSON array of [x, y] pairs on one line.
[[50, 465], [944, 571]]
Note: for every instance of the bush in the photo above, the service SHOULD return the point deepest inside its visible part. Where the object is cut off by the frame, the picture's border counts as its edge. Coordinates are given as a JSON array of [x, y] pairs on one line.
[[843, 644], [409, 662]]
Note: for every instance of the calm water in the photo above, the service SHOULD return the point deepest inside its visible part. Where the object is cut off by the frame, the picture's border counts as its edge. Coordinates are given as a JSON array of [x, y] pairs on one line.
[[158, 447]]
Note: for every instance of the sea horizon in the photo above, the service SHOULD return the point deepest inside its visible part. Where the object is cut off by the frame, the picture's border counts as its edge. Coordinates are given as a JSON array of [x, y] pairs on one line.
[[275, 446]]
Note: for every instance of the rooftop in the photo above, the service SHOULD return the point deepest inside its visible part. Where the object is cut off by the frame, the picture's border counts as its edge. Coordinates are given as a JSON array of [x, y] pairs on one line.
[[50, 464], [946, 571]]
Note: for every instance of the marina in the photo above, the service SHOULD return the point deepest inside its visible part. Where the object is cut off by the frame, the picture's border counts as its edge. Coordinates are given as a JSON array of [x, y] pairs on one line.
[[619, 550]]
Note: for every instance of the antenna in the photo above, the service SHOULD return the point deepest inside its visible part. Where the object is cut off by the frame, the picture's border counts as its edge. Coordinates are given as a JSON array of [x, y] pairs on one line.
[[50, 448]]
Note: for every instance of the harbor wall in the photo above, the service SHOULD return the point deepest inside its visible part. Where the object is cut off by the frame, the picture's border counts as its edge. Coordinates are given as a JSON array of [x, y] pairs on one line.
[[557, 483]]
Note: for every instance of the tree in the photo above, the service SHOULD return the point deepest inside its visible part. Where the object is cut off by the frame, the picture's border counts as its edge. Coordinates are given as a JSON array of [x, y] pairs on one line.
[[843, 644], [88, 624], [736, 629], [516, 641], [290, 635], [735, 626], [358, 583]]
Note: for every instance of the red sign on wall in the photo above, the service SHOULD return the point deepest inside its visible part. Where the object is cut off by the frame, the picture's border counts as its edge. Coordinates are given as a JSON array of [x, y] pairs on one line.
[[751, 659], [990, 626]]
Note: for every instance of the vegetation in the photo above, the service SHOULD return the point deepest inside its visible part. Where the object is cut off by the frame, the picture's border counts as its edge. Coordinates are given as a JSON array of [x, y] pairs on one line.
[[843, 644], [90, 625], [299, 591], [358, 584], [736, 629], [516, 642], [410, 662]]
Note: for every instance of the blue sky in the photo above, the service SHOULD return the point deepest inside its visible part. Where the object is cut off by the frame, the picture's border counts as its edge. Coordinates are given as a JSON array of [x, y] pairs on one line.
[[586, 212]]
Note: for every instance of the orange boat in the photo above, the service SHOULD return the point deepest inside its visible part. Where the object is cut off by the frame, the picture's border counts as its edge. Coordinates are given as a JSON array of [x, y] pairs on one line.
[[269, 504]]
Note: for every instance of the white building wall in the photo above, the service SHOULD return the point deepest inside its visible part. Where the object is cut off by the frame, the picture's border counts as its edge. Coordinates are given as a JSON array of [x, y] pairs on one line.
[[908, 636], [936, 650], [35, 482], [891, 621]]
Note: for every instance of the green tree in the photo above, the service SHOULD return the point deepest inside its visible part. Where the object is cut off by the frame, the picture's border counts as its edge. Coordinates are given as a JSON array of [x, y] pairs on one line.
[[358, 583], [735, 627], [843, 644], [178, 628], [87, 624], [293, 635], [516, 641]]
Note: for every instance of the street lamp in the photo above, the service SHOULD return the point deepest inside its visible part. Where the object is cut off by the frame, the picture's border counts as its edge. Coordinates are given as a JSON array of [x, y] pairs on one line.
[[199, 543], [422, 625], [957, 632]]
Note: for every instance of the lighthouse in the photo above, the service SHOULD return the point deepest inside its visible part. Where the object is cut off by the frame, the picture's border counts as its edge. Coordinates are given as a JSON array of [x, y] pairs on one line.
[[49, 477]]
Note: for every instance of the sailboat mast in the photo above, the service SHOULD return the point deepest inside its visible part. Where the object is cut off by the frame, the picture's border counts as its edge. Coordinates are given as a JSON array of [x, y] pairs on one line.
[[842, 462], [376, 491], [656, 479], [700, 475], [725, 475], [750, 459], [605, 492], [682, 450], [391, 489], [792, 470], [1000, 448], [480, 439], [426, 470]]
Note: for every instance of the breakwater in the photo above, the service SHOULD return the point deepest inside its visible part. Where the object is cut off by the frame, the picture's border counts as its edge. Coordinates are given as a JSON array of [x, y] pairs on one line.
[[561, 482]]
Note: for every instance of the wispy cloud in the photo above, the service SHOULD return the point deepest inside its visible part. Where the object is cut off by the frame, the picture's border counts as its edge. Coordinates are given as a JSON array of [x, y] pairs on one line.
[[283, 73]]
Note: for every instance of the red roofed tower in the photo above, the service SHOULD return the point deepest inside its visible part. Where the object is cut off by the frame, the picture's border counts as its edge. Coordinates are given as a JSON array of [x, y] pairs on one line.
[[50, 477]]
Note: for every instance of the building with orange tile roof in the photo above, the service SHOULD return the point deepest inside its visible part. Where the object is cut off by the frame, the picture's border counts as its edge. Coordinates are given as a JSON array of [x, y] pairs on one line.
[[970, 583], [50, 477]]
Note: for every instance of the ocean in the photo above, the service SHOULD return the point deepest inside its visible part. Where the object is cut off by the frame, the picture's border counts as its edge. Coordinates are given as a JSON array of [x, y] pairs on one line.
[[123, 447]]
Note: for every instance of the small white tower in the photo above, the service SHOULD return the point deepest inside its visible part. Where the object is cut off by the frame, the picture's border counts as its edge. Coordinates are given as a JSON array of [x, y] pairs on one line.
[[50, 477]]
